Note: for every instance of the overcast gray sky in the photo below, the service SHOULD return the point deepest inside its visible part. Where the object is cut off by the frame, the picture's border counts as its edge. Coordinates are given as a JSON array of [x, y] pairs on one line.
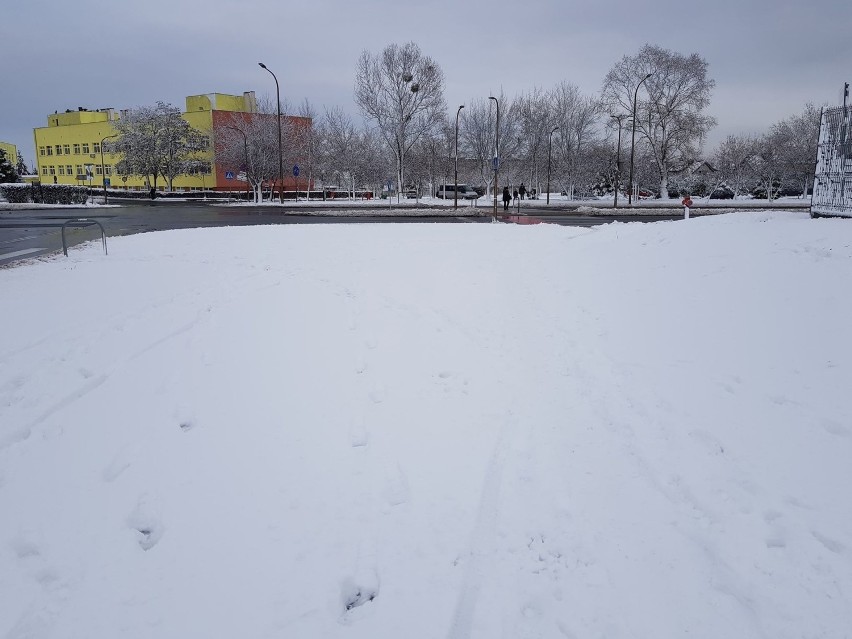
[[768, 57]]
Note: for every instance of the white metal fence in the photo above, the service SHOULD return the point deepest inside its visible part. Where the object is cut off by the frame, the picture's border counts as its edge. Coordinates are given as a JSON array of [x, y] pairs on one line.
[[833, 180]]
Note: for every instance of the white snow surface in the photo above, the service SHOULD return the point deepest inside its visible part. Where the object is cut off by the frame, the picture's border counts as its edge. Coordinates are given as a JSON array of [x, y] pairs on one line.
[[454, 431]]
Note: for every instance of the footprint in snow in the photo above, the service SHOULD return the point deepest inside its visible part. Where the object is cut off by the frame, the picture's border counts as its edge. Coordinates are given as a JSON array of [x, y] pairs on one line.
[[358, 435]]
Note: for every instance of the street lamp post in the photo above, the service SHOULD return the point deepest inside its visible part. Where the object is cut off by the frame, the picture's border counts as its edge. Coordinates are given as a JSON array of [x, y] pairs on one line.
[[618, 118], [633, 138], [496, 151], [549, 147], [103, 166], [280, 156], [456, 164]]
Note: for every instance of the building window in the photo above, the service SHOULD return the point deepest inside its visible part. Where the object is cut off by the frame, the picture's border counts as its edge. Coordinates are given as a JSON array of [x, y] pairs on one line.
[[61, 169], [69, 169], [79, 169], [58, 149], [66, 149], [50, 150], [85, 147], [76, 149], [41, 150], [108, 169], [96, 147], [99, 170], [44, 170], [51, 170]]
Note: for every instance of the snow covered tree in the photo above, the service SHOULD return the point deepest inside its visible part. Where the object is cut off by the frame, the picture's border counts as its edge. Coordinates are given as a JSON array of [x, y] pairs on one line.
[[342, 146], [670, 116], [21, 166], [533, 113], [8, 173], [402, 91], [476, 136], [799, 137], [733, 161], [578, 159], [767, 164], [155, 141], [251, 143]]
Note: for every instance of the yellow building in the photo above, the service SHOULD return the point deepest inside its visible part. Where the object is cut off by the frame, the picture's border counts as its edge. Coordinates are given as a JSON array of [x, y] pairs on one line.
[[11, 152], [68, 149]]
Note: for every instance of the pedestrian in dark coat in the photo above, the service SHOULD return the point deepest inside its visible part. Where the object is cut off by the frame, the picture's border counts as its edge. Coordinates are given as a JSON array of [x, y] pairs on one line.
[[522, 190], [506, 198]]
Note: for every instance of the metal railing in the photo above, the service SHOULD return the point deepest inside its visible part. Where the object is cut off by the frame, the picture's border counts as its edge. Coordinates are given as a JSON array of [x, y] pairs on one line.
[[81, 222]]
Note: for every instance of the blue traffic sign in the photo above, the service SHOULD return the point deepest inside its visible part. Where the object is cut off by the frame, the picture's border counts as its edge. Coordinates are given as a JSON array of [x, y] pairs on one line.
[[495, 163], [229, 175], [295, 170]]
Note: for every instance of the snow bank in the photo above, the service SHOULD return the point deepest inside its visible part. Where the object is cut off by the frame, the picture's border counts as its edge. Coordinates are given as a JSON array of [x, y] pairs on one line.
[[638, 430]]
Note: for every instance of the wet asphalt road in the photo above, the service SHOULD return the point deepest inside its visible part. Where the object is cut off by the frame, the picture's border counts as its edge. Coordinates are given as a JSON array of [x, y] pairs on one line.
[[26, 234]]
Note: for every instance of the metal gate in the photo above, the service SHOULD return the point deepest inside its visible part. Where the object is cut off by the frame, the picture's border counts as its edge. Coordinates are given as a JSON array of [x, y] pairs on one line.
[[833, 180]]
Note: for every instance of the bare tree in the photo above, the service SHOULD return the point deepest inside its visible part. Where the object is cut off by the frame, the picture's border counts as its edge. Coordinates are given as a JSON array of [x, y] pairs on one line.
[[477, 141], [307, 134], [402, 91], [157, 142], [250, 142], [534, 116], [767, 162], [733, 161], [373, 159], [576, 146], [670, 119], [342, 146], [799, 136]]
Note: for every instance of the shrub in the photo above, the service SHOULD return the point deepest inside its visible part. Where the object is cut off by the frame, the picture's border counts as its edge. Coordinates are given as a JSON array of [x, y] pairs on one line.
[[44, 193], [15, 193]]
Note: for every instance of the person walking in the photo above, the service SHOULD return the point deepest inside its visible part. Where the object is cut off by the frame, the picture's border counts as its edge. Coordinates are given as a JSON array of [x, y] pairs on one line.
[[687, 203], [522, 190], [507, 197]]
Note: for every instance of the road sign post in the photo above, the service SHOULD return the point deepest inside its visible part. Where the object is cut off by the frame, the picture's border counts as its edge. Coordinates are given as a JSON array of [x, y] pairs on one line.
[[296, 180]]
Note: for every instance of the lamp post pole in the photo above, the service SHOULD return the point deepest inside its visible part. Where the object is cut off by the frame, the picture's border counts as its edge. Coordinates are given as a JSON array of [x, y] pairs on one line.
[[617, 118], [633, 138], [103, 166], [496, 151], [549, 147], [456, 163], [280, 156]]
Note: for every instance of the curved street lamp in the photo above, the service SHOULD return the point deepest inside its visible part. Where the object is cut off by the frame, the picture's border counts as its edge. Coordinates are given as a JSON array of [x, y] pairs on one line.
[[549, 146], [103, 167], [456, 183], [633, 139], [496, 151], [280, 156], [618, 118]]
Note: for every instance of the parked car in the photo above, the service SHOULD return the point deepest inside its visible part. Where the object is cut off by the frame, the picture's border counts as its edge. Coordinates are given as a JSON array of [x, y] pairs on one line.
[[448, 192], [722, 193], [410, 194]]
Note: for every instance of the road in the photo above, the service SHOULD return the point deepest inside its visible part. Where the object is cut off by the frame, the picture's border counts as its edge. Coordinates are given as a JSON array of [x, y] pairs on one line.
[[32, 233]]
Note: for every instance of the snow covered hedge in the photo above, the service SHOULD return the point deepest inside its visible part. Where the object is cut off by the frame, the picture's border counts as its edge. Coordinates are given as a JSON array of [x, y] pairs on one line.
[[43, 193]]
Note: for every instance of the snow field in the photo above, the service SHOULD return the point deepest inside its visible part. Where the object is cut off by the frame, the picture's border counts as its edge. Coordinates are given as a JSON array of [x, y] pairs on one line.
[[459, 431]]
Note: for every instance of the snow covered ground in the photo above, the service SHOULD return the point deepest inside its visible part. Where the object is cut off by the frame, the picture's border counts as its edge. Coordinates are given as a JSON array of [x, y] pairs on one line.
[[455, 431]]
